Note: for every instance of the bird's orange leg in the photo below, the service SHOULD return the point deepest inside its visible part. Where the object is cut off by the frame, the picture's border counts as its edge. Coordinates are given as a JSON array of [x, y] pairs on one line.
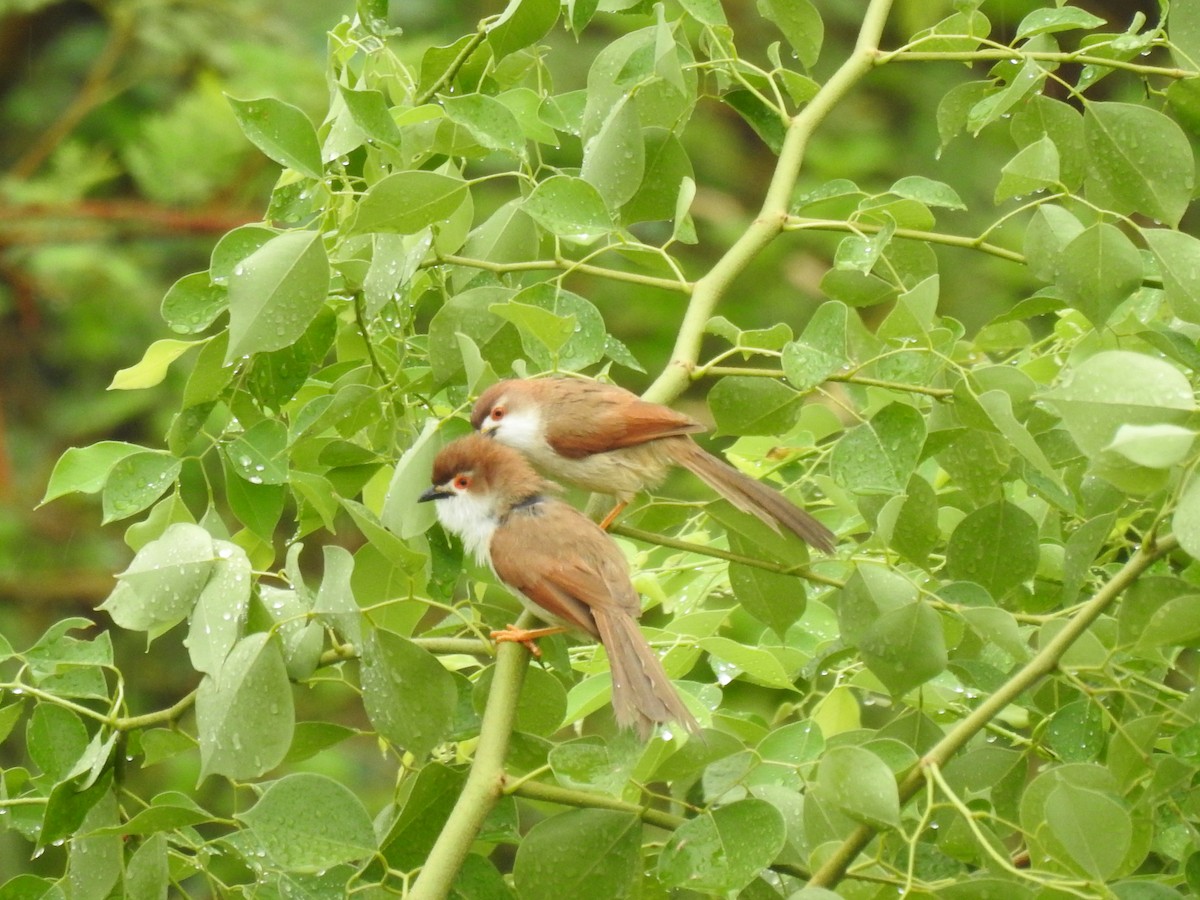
[[611, 517], [511, 634]]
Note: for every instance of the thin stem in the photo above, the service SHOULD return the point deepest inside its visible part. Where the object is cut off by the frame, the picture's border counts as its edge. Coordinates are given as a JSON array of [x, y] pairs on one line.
[[798, 223], [1041, 55], [452, 70], [537, 265], [536, 790], [708, 291], [485, 782], [650, 537], [752, 372], [1042, 664]]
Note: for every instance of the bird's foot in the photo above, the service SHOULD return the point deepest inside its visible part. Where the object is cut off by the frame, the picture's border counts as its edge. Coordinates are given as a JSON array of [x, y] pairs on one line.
[[511, 634]]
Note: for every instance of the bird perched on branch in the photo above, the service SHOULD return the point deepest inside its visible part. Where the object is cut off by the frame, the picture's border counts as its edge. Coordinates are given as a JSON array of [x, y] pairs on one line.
[[603, 438], [559, 562]]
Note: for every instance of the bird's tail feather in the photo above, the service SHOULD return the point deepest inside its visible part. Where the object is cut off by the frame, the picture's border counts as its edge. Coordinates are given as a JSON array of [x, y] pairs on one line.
[[643, 695], [751, 496]]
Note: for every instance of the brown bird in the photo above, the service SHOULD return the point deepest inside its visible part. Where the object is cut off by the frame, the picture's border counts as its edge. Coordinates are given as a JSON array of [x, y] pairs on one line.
[[603, 438], [557, 561]]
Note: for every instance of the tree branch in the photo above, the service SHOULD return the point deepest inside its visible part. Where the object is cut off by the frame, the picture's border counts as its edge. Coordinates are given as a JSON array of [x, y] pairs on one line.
[[1042, 664], [708, 291], [537, 265], [485, 782], [663, 540], [799, 223]]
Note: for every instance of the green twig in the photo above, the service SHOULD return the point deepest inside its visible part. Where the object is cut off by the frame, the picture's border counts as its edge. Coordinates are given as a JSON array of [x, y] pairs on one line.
[[663, 540], [847, 378], [1042, 664], [551, 793], [459, 61], [706, 293], [485, 782], [1082, 59], [798, 223], [538, 265]]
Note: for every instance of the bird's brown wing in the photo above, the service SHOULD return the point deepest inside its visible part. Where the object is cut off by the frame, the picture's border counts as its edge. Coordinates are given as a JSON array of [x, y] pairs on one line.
[[591, 417], [564, 563]]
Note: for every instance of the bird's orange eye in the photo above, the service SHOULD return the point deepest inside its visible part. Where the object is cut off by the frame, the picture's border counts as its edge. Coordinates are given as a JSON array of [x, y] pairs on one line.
[[497, 413], [462, 482]]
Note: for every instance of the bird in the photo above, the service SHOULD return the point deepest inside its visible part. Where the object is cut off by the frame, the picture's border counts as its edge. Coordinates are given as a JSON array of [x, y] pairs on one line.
[[603, 438], [559, 563]]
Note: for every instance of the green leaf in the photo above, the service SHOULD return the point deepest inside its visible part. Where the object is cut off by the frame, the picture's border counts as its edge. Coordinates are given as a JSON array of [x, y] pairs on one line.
[[409, 696], [706, 12], [276, 292], [1139, 160], [489, 122], [664, 188], [734, 659], [879, 456], [569, 207], [584, 765], [84, 470], [585, 340], [860, 785], [871, 591], [148, 873], [1076, 731], [56, 739], [775, 600], [745, 405], [216, 620], [1186, 521], [580, 853], [821, 350], [469, 314], [1093, 827], [193, 303], [259, 454], [522, 23], [1049, 231], [245, 715], [152, 368], [1098, 270], [614, 159], [722, 851], [905, 647], [856, 288], [800, 23], [1118, 387], [1043, 21], [995, 546], [406, 202], [369, 110], [136, 481], [1178, 256], [1034, 168], [927, 191], [551, 330], [1156, 446], [402, 513], [307, 822], [281, 131]]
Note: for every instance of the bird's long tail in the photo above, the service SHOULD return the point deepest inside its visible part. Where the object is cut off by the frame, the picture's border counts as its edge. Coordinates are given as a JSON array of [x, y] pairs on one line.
[[751, 496], [643, 695]]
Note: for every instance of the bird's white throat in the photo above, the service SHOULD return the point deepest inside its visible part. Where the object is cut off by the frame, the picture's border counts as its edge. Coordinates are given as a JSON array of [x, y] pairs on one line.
[[472, 518]]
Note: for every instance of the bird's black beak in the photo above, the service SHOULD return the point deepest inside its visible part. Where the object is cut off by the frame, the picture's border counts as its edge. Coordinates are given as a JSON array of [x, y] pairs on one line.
[[434, 493]]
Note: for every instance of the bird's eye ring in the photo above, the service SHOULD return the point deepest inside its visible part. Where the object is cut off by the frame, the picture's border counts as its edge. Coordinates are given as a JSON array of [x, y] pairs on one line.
[[497, 413], [462, 482]]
